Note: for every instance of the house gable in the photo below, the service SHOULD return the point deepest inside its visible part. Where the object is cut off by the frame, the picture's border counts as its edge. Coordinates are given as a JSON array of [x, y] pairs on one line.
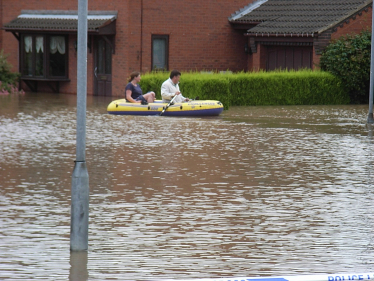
[[297, 17], [298, 24]]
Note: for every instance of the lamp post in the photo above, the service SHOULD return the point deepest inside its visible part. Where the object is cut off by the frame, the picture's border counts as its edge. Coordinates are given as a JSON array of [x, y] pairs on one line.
[[80, 187]]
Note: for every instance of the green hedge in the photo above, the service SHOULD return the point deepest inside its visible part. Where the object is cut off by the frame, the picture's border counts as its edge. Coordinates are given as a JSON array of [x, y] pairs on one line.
[[303, 87]]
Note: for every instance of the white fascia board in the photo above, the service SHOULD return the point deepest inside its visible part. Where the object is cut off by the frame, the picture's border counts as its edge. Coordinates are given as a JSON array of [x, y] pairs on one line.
[[247, 9]]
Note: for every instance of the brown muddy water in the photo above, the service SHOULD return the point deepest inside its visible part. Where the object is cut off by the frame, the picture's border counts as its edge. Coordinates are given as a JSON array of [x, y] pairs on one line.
[[257, 191]]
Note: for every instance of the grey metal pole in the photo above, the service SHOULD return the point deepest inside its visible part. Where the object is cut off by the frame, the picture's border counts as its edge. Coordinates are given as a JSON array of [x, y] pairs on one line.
[[370, 116], [80, 186]]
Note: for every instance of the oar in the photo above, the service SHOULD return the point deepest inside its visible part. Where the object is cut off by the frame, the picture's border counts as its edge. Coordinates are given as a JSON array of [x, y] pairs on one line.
[[166, 107]]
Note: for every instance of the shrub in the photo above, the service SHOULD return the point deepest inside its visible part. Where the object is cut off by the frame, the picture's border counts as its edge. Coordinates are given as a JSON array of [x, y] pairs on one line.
[[349, 59], [8, 78]]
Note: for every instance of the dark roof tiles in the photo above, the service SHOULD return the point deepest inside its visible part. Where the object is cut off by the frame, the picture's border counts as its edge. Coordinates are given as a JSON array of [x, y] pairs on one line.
[[58, 20], [297, 16], [51, 24]]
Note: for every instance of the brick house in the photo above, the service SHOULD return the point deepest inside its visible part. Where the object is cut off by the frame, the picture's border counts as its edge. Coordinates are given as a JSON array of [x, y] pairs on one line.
[[292, 34], [40, 37], [124, 36]]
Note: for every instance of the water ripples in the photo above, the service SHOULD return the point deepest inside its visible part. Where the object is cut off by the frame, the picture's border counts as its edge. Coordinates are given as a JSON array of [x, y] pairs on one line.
[[257, 191]]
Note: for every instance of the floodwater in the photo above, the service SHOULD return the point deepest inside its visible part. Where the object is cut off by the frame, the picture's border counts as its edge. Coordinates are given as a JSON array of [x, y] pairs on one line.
[[257, 191]]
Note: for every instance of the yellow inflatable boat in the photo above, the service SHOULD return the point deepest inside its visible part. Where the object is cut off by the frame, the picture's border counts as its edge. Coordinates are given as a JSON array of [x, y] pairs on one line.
[[191, 108]]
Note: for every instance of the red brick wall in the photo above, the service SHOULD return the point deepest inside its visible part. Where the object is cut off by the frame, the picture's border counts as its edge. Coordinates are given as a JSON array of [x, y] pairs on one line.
[[354, 26], [257, 59], [200, 36], [316, 59]]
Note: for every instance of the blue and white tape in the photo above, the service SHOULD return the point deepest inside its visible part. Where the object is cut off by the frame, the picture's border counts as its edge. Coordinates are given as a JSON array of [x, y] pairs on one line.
[[328, 277]]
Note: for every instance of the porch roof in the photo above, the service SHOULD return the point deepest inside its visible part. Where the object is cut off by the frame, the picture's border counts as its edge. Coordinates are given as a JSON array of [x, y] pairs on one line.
[[287, 17], [99, 22]]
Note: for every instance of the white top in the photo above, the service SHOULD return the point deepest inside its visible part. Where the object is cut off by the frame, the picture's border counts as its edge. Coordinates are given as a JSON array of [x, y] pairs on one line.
[[168, 90]]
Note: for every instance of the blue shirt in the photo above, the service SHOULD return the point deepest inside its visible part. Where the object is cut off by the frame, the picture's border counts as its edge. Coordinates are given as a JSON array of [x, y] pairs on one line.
[[136, 91]]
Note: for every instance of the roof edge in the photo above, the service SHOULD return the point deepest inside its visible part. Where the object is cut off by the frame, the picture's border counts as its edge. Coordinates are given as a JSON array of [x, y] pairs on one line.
[[66, 12], [280, 34], [359, 9], [246, 10]]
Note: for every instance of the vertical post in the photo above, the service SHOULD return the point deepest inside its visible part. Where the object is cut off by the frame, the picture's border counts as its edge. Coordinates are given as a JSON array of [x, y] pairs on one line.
[[80, 187], [370, 116]]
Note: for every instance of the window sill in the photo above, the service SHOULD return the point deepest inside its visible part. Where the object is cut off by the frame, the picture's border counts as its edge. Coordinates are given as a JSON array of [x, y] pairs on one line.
[[45, 79], [53, 83]]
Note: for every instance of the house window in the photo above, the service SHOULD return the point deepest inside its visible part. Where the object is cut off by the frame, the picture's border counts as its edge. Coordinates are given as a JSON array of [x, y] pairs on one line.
[[44, 56], [160, 52], [57, 56]]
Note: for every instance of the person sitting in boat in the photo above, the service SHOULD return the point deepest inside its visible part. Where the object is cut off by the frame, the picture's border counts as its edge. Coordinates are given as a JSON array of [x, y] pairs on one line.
[[134, 93], [170, 88]]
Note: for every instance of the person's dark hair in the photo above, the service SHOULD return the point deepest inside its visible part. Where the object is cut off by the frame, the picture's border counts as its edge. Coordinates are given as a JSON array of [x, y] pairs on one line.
[[133, 75], [174, 73]]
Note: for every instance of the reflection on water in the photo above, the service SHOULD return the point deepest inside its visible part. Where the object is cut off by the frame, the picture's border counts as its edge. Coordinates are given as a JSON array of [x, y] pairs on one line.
[[257, 191], [78, 266]]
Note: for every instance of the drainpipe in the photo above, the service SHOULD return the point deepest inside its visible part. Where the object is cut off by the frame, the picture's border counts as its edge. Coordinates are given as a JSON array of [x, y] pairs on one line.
[[141, 35], [1, 17], [370, 116]]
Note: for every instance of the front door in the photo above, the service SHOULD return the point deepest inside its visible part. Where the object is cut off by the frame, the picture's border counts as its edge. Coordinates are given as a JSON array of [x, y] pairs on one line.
[[103, 67]]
